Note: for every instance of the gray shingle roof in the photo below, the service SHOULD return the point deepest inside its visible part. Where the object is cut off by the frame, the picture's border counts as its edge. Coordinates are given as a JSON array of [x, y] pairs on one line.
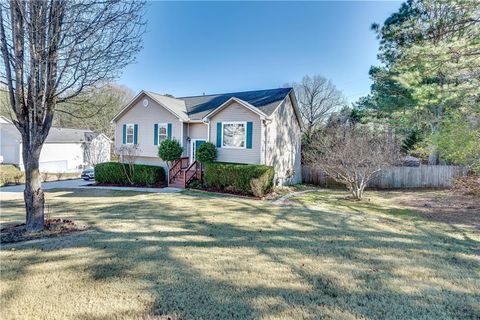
[[56, 134], [264, 100]]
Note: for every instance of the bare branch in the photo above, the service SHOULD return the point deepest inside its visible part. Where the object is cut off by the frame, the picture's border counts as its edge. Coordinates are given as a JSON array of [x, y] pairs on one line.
[[317, 98], [352, 155]]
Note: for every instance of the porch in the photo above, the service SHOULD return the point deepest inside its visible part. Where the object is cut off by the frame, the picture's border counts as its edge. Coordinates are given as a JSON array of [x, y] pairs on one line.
[[183, 171]]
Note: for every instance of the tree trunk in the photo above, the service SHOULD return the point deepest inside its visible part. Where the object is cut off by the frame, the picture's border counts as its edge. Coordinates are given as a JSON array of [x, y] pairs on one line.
[[357, 190], [33, 194]]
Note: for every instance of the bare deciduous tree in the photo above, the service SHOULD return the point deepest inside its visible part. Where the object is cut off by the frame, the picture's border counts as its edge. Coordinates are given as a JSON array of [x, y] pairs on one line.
[[128, 156], [317, 99], [52, 51], [96, 149], [352, 155]]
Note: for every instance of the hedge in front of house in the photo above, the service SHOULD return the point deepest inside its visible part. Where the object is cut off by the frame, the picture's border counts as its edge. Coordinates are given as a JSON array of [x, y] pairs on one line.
[[113, 173], [239, 177]]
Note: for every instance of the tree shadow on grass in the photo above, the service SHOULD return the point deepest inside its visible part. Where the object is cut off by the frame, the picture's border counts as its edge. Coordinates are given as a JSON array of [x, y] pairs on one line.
[[293, 262]]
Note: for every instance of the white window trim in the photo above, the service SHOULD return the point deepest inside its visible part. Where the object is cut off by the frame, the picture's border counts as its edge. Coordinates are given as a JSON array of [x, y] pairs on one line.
[[166, 131], [132, 125], [245, 138]]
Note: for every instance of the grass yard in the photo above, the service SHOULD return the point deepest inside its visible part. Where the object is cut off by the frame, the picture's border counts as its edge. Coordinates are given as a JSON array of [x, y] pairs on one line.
[[202, 256]]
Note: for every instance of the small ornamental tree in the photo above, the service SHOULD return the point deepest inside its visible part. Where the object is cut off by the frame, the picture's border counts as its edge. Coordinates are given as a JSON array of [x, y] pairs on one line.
[[207, 152], [128, 155], [353, 155], [169, 151]]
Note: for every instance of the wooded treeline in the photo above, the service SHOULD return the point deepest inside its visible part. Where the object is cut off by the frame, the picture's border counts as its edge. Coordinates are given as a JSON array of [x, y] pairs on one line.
[[93, 109], [428, 86]]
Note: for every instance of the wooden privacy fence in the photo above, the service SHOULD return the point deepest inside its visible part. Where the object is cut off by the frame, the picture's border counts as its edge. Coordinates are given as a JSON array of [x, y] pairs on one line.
[[396, 177]]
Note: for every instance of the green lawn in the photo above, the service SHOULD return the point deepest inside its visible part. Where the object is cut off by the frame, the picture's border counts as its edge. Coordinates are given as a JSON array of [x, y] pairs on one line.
[[202, 256]]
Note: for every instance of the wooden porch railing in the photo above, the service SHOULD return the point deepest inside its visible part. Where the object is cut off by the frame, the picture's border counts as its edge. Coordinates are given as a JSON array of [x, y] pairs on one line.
[[194, 171], [177, 167]]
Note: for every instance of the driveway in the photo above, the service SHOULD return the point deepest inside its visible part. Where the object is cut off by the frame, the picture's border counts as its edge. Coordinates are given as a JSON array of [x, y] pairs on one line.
[[64, 184], [12, 192]]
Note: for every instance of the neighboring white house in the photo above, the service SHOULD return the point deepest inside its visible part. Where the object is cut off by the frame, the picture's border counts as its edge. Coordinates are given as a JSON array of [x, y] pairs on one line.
[[65, 149], [252, 127], [4, 120]]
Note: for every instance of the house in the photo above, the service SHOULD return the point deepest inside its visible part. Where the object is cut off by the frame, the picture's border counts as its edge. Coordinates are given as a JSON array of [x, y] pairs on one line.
[[4, 120], [65, 149], [253, 127]]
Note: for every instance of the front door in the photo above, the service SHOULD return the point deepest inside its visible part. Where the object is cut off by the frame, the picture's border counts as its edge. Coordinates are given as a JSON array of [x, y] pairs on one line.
[[195, 143]]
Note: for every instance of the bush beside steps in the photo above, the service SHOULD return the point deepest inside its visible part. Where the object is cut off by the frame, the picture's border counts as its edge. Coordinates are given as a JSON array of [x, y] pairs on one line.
[[144, 175], [250, 179]]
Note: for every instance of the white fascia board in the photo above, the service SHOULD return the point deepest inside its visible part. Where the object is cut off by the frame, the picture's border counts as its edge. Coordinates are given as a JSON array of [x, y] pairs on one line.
[[127, 106], [130, 104]]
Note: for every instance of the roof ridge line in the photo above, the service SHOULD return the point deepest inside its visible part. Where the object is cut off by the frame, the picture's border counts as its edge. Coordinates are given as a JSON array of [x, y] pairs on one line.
[[219, 94]]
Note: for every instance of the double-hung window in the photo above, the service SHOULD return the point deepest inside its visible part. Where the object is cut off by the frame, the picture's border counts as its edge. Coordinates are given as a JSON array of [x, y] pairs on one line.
[[234, 135], [162, 132], [130, 134]]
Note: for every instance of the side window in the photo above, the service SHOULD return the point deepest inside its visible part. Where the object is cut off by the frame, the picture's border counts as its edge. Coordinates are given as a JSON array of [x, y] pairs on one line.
[[162, 132], [130, 133]]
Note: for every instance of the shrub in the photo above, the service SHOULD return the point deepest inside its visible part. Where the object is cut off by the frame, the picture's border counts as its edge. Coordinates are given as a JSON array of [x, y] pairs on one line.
[[10, 174], [170, 150], [239, 177], [206, 153], [112, 172], [18, 177]]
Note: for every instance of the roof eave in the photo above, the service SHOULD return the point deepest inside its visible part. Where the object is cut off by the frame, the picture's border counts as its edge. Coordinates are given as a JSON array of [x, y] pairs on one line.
[[130, 104], [239, 101]]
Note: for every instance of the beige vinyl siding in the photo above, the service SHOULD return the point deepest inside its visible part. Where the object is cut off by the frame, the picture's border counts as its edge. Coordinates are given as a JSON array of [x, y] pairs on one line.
[[283, 144], [151, 161], [146, 117], [197, 131], [237, 112]]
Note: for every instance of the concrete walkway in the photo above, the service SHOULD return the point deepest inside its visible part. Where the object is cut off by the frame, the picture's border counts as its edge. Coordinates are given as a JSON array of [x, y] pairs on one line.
[[138, 189]]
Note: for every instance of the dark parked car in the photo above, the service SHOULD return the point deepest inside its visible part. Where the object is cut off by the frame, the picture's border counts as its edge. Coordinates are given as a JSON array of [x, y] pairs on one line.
[[88, 174]]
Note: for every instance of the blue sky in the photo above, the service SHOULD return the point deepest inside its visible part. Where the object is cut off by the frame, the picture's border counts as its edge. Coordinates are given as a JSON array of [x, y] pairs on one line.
[[192, 48]]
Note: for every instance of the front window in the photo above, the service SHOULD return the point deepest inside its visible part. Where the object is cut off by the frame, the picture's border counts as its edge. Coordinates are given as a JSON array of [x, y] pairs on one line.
[[130, 133], [234, 134], [162, 132]]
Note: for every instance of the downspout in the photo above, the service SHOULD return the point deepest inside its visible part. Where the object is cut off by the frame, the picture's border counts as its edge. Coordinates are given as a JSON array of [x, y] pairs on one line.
[[181, 134], [207, 122]]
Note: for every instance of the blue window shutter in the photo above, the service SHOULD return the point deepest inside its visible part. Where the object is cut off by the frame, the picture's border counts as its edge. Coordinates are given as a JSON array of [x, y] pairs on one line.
[[124, 134], [135, 134], [169, 131], [249, 134], [155, 134], [219, 134]]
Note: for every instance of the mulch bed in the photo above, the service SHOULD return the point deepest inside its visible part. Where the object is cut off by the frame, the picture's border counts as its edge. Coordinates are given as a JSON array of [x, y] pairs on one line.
[[53, 228]]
